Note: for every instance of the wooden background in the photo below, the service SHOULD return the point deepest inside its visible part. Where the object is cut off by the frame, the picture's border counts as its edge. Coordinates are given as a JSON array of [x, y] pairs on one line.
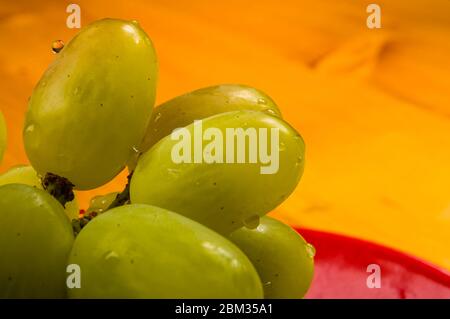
[[372, 105]]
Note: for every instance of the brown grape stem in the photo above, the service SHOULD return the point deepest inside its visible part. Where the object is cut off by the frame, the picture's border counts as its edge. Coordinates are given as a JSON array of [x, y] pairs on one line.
[[59, 187], [78, 224], [123, 198]]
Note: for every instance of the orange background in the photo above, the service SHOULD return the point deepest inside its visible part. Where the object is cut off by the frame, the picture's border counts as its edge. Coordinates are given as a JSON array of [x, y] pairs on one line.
[[372, 105]]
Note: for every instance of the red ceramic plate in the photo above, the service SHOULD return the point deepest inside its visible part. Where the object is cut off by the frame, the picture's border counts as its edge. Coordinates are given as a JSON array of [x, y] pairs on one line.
[[341, 270]]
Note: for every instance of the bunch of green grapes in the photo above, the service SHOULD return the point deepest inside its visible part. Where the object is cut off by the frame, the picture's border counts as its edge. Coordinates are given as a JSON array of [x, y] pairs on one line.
[[186, 225]]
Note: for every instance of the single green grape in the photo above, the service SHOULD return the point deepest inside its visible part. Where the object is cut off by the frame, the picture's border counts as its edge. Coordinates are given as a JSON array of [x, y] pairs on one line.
[[222, 195], [35, 242], [141, 251], [199, 104], [100, 203], [92, 106], [2, 136], [25, 174], [283, 259]]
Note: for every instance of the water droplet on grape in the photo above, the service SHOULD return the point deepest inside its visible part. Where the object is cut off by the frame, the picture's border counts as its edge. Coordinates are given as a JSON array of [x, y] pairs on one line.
[[282, 147], [299, 161], [135, 149], [267, 284], [310, 250], [271, 112], [57, 46], [252, 222], [261, 101], [157, 117]]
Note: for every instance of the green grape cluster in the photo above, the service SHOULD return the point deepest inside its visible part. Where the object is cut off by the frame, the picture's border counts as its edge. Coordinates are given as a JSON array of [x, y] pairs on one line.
[[205, 169]]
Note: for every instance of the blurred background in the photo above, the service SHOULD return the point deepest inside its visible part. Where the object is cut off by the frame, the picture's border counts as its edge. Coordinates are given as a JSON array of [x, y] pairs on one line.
[[373, 105]]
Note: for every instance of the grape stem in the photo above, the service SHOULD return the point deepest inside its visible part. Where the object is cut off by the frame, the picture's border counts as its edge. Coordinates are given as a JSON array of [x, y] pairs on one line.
[[123, 197], [59, 187]]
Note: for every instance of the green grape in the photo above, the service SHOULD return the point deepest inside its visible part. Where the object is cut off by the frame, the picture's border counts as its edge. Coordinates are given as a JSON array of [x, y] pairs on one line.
[[35, 241], [24, 174], [21, 174], [221, 195], [199, 104], [283, 259], [100, 204], [91, 107], [72, 209], [2, 136], [141, 251]]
